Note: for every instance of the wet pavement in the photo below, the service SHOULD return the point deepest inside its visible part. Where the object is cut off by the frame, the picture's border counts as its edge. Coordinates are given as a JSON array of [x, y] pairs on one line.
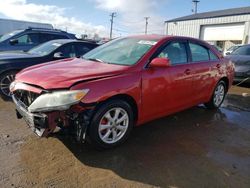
[[193, 148]]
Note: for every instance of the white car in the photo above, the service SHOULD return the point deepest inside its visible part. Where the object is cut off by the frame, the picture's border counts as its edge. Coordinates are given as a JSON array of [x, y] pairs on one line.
[[231, 49]]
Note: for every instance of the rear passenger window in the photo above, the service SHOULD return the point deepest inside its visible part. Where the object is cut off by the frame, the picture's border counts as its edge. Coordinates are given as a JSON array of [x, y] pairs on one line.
[[199, 53], [176, 52], [213, 57]]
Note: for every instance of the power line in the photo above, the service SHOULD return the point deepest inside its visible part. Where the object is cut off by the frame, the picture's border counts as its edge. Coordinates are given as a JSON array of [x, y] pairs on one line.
[[146, 26], [113, 14], [130, 22]]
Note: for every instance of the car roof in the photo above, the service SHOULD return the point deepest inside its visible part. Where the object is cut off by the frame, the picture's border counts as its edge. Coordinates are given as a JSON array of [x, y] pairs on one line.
[[149, 37], [164, 37], [64, 41], [45, 30]]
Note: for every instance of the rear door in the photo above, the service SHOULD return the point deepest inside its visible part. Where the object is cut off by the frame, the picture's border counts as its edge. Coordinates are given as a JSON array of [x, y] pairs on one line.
[[167, 90], [205, 70]]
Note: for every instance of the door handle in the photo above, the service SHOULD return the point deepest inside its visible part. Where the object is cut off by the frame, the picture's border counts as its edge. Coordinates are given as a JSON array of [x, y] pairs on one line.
[[218, 66], [187, 71]]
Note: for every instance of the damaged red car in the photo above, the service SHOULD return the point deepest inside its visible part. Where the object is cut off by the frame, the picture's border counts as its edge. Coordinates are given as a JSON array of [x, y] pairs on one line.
[[119, 85]]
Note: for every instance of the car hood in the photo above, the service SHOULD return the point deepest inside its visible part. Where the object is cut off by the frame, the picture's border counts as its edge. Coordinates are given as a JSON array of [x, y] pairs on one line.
[[16, 55], [65, 73]]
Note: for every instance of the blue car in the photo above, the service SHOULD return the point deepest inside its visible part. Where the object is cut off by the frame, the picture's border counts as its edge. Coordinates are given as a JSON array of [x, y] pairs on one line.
[[24, 40]]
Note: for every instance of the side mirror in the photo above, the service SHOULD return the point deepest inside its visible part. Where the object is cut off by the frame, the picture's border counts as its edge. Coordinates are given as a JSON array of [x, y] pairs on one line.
[[13, 41], [160, 62], [58, 55]]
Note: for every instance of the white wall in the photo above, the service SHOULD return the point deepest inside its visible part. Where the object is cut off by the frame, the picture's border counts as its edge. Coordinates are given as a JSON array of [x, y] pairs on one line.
[[192, 28], [7, 26]]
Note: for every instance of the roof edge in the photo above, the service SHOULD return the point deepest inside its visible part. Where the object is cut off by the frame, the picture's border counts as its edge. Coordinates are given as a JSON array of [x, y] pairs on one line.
[[189, 17]]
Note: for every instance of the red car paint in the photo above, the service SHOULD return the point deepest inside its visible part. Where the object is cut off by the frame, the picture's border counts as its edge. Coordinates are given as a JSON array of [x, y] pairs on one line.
[[157, 92]]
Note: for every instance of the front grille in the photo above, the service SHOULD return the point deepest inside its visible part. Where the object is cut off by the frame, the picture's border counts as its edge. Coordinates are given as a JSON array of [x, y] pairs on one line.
[[26, 97]]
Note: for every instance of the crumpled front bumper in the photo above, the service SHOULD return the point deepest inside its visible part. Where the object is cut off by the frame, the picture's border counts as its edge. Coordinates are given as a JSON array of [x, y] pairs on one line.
[[37, 122]]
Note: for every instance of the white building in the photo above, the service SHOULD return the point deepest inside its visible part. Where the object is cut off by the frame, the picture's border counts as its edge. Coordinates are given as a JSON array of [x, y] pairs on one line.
[[7, 25], [223, 28]]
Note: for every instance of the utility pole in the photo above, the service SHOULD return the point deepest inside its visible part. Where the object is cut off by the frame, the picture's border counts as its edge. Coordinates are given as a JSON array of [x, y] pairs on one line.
[[146, 26], [112, 15], [195, 2]]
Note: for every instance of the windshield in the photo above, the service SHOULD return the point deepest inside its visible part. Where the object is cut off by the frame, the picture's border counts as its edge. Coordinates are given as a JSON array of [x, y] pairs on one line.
[[9, 35], [244, 50], [123, 51], [45, 48]]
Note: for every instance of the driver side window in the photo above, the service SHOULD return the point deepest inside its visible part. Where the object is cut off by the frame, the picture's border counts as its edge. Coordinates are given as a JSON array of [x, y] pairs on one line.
[[30, 38], [176, 52]]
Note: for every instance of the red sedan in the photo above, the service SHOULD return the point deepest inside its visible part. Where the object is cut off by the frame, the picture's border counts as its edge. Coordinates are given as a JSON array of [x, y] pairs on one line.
[[121, 84]]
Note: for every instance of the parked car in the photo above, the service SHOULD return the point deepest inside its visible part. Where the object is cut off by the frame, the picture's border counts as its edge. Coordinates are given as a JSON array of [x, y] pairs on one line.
[[231, 49], [121, 84], [241, 59], [11, 63], [24, 40]]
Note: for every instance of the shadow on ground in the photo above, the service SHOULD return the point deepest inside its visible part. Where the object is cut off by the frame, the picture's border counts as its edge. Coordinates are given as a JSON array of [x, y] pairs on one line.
[[195, 147]]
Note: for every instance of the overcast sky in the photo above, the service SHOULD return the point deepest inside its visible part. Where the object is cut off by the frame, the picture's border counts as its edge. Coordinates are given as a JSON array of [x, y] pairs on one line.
[[92, 16]]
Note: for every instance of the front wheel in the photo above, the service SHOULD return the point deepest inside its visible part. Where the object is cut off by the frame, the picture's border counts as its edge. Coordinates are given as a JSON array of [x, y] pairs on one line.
[[5, 80], [111, 124], [218, 96]]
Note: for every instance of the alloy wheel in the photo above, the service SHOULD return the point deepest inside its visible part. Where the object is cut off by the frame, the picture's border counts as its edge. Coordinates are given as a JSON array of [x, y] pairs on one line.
[[5, 84], [219, 94], [113, 125]]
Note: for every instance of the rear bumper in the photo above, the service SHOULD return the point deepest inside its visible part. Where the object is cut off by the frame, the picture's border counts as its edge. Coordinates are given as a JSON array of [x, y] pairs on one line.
[[37, 122]]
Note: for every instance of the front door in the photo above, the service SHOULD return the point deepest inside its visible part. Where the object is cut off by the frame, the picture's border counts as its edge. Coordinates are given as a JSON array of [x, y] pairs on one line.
[[166, 90]]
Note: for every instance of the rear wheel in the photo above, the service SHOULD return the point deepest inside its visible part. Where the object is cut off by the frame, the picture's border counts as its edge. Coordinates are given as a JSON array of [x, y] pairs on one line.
[[111, 124], [5, 80], [218, 96]]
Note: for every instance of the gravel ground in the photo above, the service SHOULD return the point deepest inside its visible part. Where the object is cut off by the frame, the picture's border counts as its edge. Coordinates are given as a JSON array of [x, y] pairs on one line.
[[193, 148]]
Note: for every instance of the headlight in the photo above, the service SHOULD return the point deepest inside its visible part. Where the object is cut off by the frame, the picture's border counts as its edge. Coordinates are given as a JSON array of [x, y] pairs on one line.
[[59, 100], [12, 86]]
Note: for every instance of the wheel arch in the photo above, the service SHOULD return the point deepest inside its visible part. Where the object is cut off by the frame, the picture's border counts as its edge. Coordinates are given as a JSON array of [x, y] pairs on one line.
[[226, 80], [10, 70], [127, 98]]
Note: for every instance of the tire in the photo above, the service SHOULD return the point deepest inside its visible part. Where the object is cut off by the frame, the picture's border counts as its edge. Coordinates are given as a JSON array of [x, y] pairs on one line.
[[218, 96], [105, 130], [5, 81]]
